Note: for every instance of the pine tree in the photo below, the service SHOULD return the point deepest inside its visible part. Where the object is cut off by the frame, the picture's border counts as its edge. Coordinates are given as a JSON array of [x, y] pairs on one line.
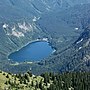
[[52, 87], [7, 76], [40, 85], [37, 85], [25, 81], [32, 84], [30, 74]]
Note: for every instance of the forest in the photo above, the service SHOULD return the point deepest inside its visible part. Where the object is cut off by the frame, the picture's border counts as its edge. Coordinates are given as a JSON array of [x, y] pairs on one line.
[[46, 81]]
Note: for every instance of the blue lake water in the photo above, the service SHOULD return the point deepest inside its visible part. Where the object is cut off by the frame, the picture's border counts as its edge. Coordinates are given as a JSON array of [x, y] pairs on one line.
[[32, 52]]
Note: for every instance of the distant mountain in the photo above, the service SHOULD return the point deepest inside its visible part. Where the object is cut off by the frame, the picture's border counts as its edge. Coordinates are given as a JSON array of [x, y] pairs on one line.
[[61, 21]]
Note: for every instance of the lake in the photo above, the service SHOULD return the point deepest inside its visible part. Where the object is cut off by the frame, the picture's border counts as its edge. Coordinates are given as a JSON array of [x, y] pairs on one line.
[[35, 51]]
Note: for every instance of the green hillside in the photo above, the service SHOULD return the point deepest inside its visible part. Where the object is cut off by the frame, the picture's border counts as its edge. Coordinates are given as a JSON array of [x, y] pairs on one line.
[[46, 81]]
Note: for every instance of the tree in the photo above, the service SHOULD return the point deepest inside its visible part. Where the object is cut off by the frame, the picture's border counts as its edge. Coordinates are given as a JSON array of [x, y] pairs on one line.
[[40, 85], [30, 74], [52, 87], [37, 85], [32, 84], [20, 81], [7, 76], [46, 78], [6, 82], [25, 81], [27, 77]]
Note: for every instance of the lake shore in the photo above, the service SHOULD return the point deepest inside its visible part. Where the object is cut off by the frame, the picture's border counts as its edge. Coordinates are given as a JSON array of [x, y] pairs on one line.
[[34, 41]]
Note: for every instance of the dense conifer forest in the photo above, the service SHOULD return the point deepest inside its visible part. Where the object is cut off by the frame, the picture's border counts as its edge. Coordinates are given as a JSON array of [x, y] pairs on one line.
[[46, 81]]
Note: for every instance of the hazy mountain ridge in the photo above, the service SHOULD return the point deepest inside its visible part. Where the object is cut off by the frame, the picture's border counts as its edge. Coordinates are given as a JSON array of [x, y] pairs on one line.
[[62, 21]]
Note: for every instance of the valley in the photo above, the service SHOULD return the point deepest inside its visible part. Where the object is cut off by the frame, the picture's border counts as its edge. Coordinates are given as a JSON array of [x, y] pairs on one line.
[[62, 22]]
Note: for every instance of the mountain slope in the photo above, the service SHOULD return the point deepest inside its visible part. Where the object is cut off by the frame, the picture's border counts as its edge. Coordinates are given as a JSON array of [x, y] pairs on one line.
[[74, 58], [61, 21]]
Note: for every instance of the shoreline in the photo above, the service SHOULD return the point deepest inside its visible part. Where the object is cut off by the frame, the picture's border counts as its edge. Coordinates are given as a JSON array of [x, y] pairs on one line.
[[37, 40], [33, 41]]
